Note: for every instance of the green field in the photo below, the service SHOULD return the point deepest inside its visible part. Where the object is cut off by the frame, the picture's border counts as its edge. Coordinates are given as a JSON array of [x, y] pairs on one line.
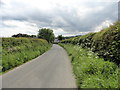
[[16, 51]]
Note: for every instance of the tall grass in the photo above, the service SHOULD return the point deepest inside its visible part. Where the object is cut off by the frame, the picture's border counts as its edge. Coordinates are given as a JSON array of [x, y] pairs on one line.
[[16, 51], [90, 70]]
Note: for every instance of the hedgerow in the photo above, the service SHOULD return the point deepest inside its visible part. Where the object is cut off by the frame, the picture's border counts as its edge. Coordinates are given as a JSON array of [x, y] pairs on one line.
[[105, 43], [16, 51]]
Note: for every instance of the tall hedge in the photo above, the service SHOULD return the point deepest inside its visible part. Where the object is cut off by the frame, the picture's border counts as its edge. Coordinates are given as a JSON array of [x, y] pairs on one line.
[[16, 51], [106, 42]]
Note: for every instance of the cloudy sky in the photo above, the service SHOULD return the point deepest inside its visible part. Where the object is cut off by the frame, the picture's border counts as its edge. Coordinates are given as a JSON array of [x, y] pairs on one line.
[[66, 17]]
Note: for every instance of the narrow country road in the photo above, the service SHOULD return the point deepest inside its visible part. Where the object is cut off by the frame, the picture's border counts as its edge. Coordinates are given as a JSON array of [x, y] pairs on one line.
[[50, 70]]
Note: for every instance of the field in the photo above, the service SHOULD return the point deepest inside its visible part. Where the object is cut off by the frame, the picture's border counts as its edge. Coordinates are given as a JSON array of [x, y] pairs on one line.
[[90, 70], [16, 51]]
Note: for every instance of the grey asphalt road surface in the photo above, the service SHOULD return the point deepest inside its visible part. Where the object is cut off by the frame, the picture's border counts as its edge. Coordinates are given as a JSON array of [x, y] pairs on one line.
[[50, 70]]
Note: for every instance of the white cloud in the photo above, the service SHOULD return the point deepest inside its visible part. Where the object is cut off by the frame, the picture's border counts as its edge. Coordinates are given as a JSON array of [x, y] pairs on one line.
[[103, 25], [18, 27]]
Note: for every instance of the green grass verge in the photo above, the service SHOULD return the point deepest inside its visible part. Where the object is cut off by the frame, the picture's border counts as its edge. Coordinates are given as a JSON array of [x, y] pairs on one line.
[[90, 70]]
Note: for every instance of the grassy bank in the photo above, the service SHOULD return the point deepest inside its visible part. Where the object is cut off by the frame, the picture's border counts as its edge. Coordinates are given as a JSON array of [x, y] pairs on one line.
[[90, 70], [16, 51]]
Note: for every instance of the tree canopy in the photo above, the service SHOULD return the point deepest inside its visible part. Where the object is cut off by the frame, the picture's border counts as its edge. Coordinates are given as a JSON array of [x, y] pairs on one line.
[[60, 37], [47, 34]]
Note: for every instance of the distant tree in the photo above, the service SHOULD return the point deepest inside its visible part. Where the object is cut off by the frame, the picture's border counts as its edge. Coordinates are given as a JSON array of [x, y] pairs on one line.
[[33, 36], [18, 35], [23, 35], [47, 34], [60, 37]]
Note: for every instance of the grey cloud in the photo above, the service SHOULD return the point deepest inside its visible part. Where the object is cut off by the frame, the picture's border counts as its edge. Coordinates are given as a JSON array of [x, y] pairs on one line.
[[2, 3], [70, 21], [92, 20]]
